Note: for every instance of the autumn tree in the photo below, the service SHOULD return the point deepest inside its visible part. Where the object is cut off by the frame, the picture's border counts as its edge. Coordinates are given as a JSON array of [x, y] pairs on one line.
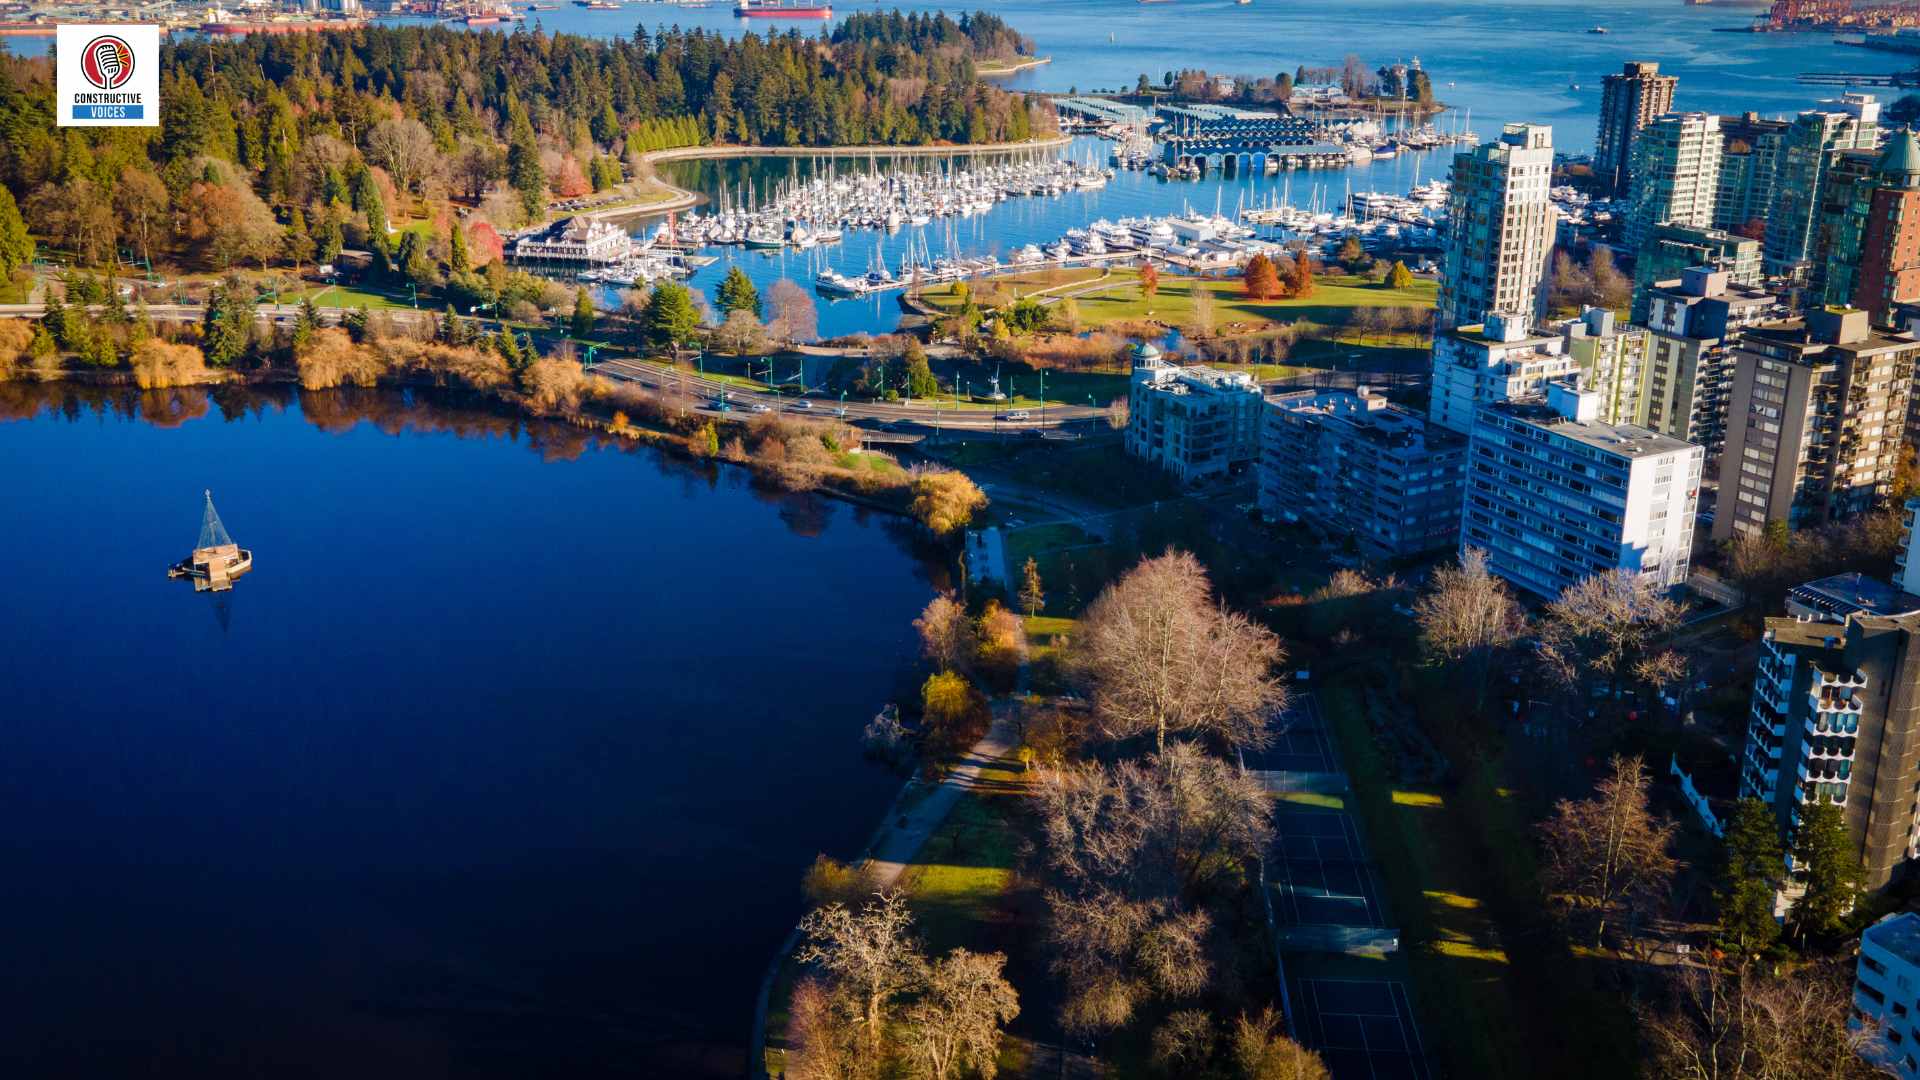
[[1261, 278], [1399, 277], [945, 501], [794, 319], [581, 325], [824, 1037], [870, 951], [1262, 1051], [946, 635], [16, 245], [1468, 615], [142, 202], [1827, 860], [1607, 856], [1160, 656], [1752, 865], [1031, 596], [953, 1027], [1149, 282], [953, 716], [1300, 286]]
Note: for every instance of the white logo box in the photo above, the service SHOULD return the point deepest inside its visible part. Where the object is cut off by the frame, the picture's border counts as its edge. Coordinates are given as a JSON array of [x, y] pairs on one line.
[[108, 75]]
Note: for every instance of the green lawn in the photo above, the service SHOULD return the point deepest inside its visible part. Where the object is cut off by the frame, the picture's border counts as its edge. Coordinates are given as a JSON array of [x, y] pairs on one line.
[[957, 884], [947, 297], [1333, 298], [351, 296]]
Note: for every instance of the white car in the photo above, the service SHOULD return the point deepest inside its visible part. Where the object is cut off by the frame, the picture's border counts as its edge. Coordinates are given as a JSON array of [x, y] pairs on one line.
[[1018, 414], [803, 405], [756, 407]]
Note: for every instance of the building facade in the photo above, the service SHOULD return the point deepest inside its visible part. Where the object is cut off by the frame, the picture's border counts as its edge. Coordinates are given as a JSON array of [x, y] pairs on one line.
[[1554, 496], [1612, 361], [1874, 261], [1886, 993], [1835, 718], [1749, 165], [1806, 152], [1676, 175], [1672, 249], [1629, 101], [1500, 228], [1815, 421], [1492, 361], [1357, 466], [1692, 326], [1197, 423]]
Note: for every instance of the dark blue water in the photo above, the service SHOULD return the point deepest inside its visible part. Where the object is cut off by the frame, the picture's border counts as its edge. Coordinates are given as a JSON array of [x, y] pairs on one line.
[[504, 761]]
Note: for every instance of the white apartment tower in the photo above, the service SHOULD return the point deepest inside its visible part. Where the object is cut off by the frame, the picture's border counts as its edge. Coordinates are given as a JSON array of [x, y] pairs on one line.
[[1676, 175], [1500, 226]]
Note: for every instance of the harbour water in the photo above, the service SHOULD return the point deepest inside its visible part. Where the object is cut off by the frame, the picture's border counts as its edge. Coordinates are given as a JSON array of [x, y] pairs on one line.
[[477, 774]]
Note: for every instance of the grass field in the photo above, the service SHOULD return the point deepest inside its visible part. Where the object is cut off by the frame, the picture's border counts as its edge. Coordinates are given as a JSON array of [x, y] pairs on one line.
[[348, 296], [1333, 298]]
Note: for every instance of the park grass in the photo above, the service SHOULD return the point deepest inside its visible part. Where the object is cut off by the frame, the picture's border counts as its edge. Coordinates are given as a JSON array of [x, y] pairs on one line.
[[351, 296], [1434, 885], [946, 298], [1333, 299]]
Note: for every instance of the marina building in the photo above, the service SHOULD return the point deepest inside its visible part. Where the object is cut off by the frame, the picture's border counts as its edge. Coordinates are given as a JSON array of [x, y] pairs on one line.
[[1886, 993], [1749, 164], [1835, 718], [1500, 227], [1816, 417], [1553, 495], [1355, 465], [1612, 362], [1693, 324], [1195, 422], [582, 241], [1675, 175], [1629, 101], [1807, 150], [1491, 361], [1873, 262], [1670, 250]]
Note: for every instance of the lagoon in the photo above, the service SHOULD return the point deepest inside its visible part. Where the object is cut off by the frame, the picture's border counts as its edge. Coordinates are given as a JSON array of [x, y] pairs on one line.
[[504, 761]]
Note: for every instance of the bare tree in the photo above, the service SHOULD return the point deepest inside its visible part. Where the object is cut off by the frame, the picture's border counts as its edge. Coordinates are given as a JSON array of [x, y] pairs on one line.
[[1263, 1052], [405, 149], [794, 316], [946, 634], [1715, 1023], [1159, 656], [823, 1035], [954, 1026], [1200, 322], [1609, 854], [1602, 625], [1469, 615], [871, 953]]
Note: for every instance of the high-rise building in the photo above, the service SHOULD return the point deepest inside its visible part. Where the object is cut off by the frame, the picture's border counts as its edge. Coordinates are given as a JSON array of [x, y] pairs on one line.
[[1673, 249], [1806, 152], [1835, 718], [1195, 422], [1491, 361], [1814, 421], [1749, 164], [1358, 466], [1628, 102], [1849, 173], [1554, 496], [1692, 325], [1500, 225], [1676, 175], [1886, 994], [1612, 360], [1874, 260]]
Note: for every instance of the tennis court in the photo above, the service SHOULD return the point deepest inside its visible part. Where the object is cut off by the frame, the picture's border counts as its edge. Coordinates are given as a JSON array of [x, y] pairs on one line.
[[1363, 1029], [1320, 871], [1301, 746]]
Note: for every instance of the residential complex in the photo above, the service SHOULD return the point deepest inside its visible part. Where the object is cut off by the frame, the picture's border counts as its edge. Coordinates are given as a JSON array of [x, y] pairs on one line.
[[1749, 164], [1676, 175], [1807, 150], [1692, 325], [1874, 260], [1629, 101], [1194, 422], [1835, 717], [1886, 993], [1670, 250], [1500, 228], [1491, 361], [1357, 466], [1612, 363], [1554, 496], [1816, 415]]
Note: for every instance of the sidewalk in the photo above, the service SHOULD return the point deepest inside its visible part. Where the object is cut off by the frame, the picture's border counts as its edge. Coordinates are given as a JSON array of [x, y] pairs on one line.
[[902, 835]]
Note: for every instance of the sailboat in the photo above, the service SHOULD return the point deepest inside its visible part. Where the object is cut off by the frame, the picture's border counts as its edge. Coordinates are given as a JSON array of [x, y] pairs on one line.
[[216, 559]]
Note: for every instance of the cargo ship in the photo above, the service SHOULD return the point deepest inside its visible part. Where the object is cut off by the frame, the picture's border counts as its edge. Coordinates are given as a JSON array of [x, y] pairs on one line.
[[777, 9]]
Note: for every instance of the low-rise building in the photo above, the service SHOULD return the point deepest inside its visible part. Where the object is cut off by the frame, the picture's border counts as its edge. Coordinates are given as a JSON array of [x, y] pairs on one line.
[[1195, 422], [1356, 465], [1886, 993], [1612, 360], [1491, 361], [1554, 496]]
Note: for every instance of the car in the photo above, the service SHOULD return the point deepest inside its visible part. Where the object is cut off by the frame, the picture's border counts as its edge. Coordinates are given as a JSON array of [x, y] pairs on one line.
[[1017, 414], [841, 412], [803, 405], [756, 407]]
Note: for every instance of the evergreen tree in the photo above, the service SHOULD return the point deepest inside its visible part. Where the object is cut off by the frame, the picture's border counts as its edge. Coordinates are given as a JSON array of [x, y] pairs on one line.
[[458, 261], [327, 244], [1032, 596], [1828, 861], [1753, 864], [920, 380], [298, 244], [355, 322], [523, 167], [671, 318], [737, 293], [227, 330], [306, 324], [16, 246], [582, 314]]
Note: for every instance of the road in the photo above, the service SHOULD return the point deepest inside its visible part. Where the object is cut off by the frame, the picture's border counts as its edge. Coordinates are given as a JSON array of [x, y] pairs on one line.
[[935, 416]]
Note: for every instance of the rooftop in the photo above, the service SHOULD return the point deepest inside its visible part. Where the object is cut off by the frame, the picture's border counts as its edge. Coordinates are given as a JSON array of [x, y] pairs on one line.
[[1834, 598], [1372, 416], [1898, 935], [1624, 440]]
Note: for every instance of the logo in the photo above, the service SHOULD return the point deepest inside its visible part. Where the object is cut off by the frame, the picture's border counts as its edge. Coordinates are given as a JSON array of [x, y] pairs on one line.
[[107, 62]]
